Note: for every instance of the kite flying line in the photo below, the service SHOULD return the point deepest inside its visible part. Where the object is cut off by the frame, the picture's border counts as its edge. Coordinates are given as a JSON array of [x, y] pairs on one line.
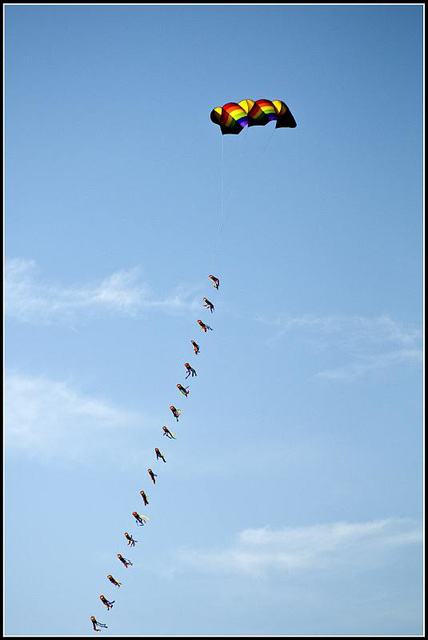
[[232, 118]]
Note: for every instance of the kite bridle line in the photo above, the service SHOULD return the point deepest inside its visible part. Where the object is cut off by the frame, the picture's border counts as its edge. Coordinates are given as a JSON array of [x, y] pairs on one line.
[[269, 140], [216, 243], [224, 211]]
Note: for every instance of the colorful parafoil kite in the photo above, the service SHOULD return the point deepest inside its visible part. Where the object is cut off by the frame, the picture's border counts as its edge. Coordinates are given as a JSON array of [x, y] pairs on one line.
[[233, 117]]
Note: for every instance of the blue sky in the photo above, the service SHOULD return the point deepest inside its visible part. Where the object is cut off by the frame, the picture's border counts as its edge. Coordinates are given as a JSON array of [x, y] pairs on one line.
[[291, 500]]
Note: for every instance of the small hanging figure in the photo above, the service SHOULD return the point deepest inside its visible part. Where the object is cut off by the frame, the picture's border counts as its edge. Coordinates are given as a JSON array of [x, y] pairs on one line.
[[113, 581], [143, 495], [208, 305], [108, 604], [139, 519], [124, 561], [190, 370], [131, 541], [95, 623], [204, 327], [195, 347], [175, 412], [169, 434], [215, 281], [152, 475], [159, 454], [183, 390]]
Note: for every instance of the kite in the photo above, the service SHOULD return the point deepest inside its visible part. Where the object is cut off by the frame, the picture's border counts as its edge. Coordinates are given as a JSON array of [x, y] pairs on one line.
[[130, 539], [183, 390], [204, 327], [175, 412], [208, 305], [139, 519], [169, 434], [195, 347], [190, 370], [233, 117], [113, 581], [215, 281], [95, 623], [159, 454], [108, 604], [124, 561], [152, 475]]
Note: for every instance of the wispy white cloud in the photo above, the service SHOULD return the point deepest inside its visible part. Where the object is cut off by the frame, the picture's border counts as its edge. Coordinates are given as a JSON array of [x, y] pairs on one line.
[[371, 344], [372, 363], [50, 419], [347, 329], [294, 549], [31, 299]]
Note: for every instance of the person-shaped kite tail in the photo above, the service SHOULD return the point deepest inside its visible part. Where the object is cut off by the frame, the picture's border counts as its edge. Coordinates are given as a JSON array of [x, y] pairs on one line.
[[204, 327], [195, 347], [139, 519], [131, 541], [124, 561], [145, 500], [152, 475], [95, 623], [190, 370], [215, 281], [169, 434], [183, 390], [159, 454], [175, 412], [108, 604], [208, 305], [113, 581]]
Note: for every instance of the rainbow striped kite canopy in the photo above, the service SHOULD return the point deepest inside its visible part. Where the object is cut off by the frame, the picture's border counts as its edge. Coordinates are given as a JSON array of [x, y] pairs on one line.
[[233, 117]]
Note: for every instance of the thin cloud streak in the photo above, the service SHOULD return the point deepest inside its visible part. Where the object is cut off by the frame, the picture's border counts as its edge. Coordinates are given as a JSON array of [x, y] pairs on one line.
[[347, 329], [373, 363], [260, 551], [372, 344], [30, 299]]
